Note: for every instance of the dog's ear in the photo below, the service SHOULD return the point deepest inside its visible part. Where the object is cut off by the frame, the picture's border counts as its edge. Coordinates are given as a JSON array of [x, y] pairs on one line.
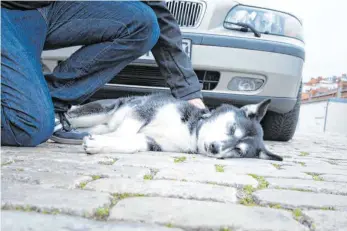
[[256, 111], [267, 155]]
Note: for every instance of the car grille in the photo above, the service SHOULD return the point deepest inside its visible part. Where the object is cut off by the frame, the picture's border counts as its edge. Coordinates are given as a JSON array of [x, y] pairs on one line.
[[151, 77], [187, 13]]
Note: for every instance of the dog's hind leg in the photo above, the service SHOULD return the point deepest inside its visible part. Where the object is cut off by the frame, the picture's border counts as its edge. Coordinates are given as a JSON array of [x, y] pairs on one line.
[[119, 144], [94, 113]]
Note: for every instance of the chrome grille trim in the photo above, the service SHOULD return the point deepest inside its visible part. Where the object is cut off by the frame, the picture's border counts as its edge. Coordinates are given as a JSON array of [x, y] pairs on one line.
[[188, 13]]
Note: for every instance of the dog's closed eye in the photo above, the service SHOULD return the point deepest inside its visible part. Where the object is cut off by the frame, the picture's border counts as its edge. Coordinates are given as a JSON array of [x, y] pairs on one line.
[[232, 129]]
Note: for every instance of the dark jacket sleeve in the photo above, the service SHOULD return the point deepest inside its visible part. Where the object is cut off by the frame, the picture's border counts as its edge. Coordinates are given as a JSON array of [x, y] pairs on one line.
[[173, 62]]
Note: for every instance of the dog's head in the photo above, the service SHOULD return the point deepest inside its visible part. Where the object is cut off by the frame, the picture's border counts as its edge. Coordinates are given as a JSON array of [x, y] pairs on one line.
[[231, 132]]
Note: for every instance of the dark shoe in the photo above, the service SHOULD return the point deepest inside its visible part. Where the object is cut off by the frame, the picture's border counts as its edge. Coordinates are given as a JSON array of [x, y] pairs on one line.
[[64, 134]]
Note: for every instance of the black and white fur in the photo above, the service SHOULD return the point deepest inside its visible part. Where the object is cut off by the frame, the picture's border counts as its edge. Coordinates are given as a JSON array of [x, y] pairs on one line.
[[159, 122]]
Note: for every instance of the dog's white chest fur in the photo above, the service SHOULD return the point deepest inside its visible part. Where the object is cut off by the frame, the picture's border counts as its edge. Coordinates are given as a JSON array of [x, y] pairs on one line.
[[169, 131]]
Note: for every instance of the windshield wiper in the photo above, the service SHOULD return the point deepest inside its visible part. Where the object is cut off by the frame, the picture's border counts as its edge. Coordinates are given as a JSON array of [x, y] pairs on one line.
[[248, 26]]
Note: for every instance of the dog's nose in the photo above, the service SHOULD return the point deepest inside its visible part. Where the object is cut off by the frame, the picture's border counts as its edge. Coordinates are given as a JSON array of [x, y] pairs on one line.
[[214, 148]]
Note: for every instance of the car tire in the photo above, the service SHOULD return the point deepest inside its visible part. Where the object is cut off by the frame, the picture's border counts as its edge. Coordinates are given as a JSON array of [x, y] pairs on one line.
[[281, 127]]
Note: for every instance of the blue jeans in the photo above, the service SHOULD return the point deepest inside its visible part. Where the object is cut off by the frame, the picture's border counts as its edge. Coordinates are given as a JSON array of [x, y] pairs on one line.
[[113, 34]]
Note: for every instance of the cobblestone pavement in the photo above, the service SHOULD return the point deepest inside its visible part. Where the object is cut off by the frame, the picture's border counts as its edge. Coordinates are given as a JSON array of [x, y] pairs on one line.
[[58, 187]]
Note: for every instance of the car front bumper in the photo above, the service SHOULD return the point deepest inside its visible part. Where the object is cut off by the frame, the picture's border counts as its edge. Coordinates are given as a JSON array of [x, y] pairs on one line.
[[279, 64]]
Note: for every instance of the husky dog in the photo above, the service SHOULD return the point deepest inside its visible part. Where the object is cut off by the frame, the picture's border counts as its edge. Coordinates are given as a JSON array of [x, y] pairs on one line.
[[160, 122]]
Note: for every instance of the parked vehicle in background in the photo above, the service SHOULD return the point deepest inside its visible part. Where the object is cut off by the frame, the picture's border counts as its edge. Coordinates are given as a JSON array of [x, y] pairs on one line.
[[243, 52]]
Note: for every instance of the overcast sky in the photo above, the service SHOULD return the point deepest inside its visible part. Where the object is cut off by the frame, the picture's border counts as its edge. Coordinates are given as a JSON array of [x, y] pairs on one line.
[[325, 31]]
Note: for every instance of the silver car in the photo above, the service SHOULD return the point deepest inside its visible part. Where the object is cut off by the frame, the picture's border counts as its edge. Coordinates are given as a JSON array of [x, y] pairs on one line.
[[242, 51]]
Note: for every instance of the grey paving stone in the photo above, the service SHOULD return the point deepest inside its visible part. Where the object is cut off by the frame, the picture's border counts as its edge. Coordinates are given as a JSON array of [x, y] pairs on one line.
[[74, 168], [22, 221], [291, 199], [312, 185], [165, 188], [206, 175], [232, 162], [267, 172], [156, 162], [323, 169], [75, 202], [328, 220], [61, 156], [45, 179], [202, 215], [334, 178]]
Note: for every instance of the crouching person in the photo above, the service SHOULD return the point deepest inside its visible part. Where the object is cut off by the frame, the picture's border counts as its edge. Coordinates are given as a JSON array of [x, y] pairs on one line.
[[112, 35]]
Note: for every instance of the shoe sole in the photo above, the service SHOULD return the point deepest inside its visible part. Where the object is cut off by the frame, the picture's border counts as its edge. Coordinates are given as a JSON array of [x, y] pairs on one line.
[[65, 141]]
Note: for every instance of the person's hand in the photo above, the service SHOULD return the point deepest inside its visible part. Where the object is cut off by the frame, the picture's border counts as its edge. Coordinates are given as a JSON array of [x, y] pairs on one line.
[[197, 103]]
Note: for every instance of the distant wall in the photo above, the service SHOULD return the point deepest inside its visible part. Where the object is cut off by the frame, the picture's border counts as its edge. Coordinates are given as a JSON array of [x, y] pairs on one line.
[[324, 116]]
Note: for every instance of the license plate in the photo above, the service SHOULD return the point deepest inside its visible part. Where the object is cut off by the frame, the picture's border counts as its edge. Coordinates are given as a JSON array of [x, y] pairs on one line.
[[186, 45]]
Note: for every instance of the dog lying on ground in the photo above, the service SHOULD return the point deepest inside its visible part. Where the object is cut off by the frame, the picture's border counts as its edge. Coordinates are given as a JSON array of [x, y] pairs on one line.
[[159, 122]]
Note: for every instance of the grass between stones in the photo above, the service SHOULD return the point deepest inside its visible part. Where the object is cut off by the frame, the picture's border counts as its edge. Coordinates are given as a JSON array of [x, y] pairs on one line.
[[151, 175], [219, 168], [301, 163], [262, 183], [315, 176], [96, 177], [82, 185], [148, 177], [275, 206], [225, 229], [169, 225], [294, 189], [278, 166], [247, 199], [7, 163], [297, 214], [29, 208], [180, 159], [303, 154], [300, 189], [328, 208], [121, 196], [111, 161], [101, 213], [302, 219]]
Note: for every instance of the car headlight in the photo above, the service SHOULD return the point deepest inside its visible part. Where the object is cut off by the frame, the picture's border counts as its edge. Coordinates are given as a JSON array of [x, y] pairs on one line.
[[264, 21]]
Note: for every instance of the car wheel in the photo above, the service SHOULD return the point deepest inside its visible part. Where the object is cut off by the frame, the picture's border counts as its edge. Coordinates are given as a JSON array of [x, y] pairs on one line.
[[281, 127]]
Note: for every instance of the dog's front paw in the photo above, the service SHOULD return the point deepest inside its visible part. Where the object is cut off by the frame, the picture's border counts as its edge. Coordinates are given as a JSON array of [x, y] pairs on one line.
[[92, 145]]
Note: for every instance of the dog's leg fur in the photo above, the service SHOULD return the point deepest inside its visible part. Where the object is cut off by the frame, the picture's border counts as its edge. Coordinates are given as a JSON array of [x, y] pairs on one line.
[[128, 127], [97, 130], [120, 144]]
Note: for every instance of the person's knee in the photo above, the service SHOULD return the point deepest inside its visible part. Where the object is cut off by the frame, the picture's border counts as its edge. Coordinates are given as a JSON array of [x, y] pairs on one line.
[[27, 131], [44, 131], [148, 28]]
